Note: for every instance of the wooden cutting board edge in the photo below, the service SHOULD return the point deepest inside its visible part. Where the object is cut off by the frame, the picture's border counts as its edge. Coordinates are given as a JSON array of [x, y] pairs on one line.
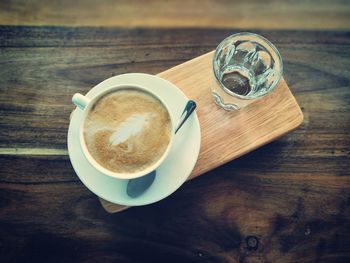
[[114, 208]]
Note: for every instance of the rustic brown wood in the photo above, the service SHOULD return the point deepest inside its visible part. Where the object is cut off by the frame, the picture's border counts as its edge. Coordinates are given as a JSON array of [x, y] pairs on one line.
[[228, 135], [287, 201], [272, 14]]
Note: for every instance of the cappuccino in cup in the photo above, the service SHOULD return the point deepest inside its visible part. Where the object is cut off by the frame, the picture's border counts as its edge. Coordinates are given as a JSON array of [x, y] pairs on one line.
[[126, 132]]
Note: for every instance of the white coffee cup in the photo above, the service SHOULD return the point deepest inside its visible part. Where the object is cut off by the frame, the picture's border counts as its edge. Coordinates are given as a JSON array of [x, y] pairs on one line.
[[84, 103]]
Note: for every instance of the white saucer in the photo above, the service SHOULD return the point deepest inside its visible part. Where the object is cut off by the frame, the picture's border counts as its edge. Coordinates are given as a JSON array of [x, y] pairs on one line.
[[172, 173]]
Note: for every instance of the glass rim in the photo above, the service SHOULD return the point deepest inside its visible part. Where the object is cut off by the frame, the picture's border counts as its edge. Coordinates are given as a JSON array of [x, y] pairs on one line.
[[264, 42]]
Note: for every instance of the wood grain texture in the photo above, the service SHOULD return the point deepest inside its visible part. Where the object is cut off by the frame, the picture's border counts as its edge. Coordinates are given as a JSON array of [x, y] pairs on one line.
[[268, 14], [228, 135], [288, 201]]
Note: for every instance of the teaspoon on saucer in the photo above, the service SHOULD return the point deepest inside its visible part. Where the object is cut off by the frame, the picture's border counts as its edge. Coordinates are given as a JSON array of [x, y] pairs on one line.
[[139, 185]]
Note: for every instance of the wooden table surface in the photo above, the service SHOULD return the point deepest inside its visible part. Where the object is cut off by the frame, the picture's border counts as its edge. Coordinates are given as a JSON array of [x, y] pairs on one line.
[[288, 201]]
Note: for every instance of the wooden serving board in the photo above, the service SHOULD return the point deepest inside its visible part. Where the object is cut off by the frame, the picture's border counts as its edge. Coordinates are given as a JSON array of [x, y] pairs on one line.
[[227, 135]]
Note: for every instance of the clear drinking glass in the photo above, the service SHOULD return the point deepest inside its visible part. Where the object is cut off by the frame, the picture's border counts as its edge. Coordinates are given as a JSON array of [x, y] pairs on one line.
[[246, 67]]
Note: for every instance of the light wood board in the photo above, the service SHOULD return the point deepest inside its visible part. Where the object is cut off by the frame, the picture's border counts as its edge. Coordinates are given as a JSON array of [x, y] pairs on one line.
[[227, 135]]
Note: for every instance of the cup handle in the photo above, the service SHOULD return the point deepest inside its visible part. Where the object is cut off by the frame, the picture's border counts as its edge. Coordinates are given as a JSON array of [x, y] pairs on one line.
[[80, 100]]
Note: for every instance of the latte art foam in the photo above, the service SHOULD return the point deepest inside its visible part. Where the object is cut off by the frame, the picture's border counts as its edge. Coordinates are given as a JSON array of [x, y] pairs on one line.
[[127, 131], [132, 126]]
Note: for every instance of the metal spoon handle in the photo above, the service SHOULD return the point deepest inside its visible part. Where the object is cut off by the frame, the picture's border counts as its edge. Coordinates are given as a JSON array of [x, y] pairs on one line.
[[189, 108]]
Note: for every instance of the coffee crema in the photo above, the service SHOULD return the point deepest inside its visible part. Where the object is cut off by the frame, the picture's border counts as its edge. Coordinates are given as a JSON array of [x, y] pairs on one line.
[[127, 130]]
